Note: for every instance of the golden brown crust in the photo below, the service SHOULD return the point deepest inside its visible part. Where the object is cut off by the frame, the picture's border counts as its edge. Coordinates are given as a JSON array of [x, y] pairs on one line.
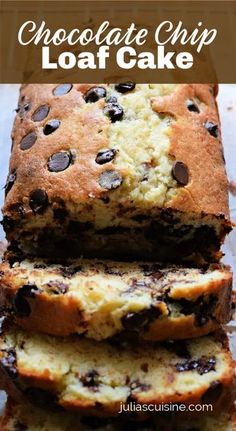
[[192, 144], [85, 130], [76, 313]]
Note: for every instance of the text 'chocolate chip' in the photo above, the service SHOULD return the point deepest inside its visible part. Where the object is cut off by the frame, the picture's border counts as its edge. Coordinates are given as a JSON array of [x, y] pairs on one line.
[[125, 87], [10, 181], [211, 128], [51, 126], [114, 111], [105, 156], [110, 180], [38, 200], [180, 173], [62, 89], [94, 94], [41, 113], [28, 141], [59, 161]]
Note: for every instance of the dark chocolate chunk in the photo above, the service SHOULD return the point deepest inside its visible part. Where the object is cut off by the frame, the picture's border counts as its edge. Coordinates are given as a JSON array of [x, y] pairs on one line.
[[142, 319], [58, 162], [28, 141], [202, 365], [212, 128], [180, 173], [38, 200], [9, 363], [21, 305], [192, 107], [125, 87], [11, 178], [213, 393], [41, 113], [110, 180], [203, 308], [62, 89], [91, 380], [105, 156], [136, 384], [114, 111], [51, 126], [57, 287], [94, 94]]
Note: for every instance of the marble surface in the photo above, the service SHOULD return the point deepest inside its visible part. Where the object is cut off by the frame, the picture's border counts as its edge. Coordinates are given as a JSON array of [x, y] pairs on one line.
[[227, 107]]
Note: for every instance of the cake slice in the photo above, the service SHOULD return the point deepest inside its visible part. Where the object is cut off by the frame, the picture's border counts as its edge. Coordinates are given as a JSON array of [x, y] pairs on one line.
[[101, 299], [25, 417], [117, 171], [95, 378]]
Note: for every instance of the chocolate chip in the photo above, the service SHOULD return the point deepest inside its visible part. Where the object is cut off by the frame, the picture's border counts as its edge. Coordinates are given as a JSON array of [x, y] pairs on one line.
[[105, 156], [111, 99], [144, 367], [213, 393], [202, 366], [41, 113], [142, 319], [136, 384], [179, 348], [58, 162], [9, 362], [125, 87], [23, 108], [94, 94], [57, 287], [203, 308], [51, 126], [192, 107], [90, 380], [20, 304], [62, 89], [110, 180], [28, 141], [11, 178], [38, 200], [114, 111], [180, 173], [212, 128]]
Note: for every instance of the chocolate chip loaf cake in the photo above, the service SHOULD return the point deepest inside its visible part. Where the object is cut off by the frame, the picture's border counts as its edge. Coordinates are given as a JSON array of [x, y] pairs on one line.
[[24, 417], [101, 299], [95, 378], [121, 170]]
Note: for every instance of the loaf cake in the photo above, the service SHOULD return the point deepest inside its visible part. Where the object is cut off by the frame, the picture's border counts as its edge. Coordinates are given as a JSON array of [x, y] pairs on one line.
[[96, 377], [101, 299], [24, 417], [121, 171]]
